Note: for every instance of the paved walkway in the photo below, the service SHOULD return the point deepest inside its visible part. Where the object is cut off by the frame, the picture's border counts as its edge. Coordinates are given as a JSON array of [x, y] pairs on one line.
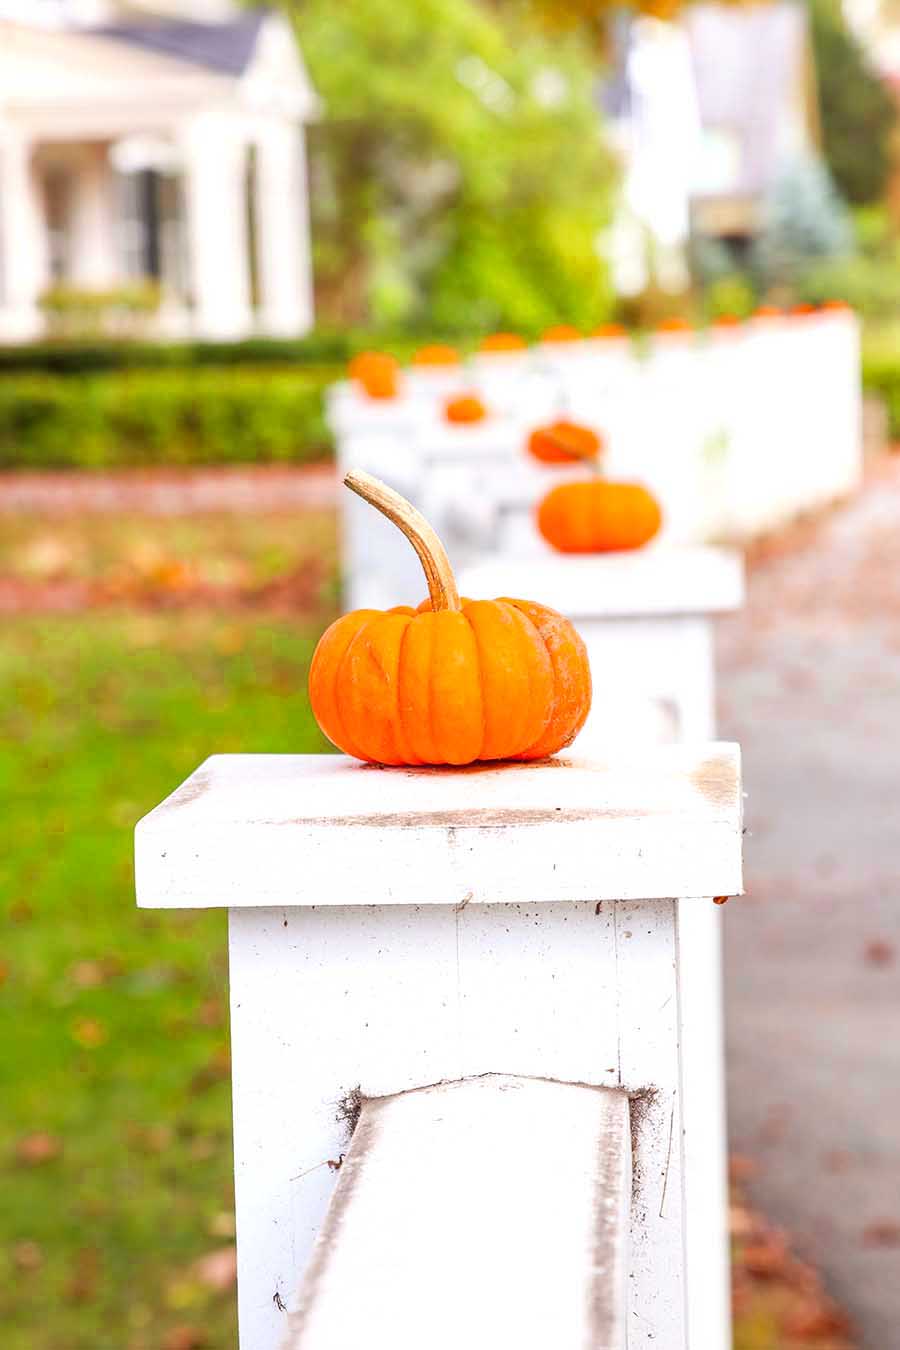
[[810, 684]]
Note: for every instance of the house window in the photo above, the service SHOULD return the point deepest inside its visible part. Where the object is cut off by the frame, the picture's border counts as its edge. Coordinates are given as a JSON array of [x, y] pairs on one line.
[[150, 218], [58, 197]]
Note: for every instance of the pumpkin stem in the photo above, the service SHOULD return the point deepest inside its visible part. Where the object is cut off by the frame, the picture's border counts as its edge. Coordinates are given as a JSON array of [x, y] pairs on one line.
[[400, 512], [591, 460]]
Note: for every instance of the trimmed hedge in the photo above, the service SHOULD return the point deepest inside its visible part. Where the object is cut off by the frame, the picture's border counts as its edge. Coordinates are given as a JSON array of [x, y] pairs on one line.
[[209, 416], [88, 357], [881, 376]]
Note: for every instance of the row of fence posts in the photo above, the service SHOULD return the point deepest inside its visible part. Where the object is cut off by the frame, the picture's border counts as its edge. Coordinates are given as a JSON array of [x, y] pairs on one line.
[[476, 1016]]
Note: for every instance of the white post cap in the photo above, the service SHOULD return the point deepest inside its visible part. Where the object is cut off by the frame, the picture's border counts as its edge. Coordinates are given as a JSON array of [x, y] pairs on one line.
[[650, 581], [286, 830]]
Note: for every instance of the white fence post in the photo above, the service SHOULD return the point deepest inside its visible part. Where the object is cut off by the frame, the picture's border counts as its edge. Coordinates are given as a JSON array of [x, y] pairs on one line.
[[646, 618], [394, 929]]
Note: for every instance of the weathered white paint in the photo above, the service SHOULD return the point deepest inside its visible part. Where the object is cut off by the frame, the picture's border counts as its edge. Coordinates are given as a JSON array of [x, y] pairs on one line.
[[646, 618], [490, 1211], [303, 829], [735, 431], [511, 952]]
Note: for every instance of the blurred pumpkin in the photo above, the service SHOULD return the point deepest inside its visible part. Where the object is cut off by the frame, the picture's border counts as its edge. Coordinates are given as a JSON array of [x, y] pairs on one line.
[[727, 321], [561, 332], [675, 324], [768, 312], [596, 516], [436, 354], [803, 310], [609, 330], [454, 681], [378, 373], [563, 442], [464, 408], [502, 342]]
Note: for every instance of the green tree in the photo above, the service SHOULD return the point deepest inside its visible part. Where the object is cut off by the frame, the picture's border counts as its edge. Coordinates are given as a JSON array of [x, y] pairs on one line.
[[459, 174], [805, 222], [858, 111]]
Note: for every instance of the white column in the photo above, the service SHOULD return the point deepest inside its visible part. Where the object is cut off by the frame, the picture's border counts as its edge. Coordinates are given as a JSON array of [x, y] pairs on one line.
[[646, 619], [23, 238], [94, 260], [394, 929], [217, 238], [282, 216]]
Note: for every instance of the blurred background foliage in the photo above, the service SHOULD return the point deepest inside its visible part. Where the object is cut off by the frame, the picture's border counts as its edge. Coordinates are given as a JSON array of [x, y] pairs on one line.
[[460, 177]]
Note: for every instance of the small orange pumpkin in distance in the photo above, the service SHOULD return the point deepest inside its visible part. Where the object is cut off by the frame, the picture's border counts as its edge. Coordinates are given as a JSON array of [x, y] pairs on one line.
[[454, 681], [675, 324], [561, 332], [609, 330], [596, 516], [502, 342], [563, 442], [436, 354], [377, 373], [464, 409]]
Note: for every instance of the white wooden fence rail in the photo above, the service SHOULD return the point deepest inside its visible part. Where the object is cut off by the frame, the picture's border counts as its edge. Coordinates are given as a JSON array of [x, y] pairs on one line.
[[736, 431], [395, 929], [488, 1212]]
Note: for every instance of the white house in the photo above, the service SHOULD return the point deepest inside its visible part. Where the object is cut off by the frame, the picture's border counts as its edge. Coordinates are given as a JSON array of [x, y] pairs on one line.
[[707, 113], [160, 141]]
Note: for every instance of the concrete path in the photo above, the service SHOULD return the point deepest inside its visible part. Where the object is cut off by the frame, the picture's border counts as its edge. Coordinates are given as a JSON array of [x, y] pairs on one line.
[[810, 684]]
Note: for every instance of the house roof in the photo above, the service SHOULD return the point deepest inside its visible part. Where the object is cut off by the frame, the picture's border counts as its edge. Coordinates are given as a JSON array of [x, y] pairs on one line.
[[225, 47]]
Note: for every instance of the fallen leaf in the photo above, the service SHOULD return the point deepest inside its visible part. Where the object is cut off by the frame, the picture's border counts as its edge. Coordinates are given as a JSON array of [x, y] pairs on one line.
[[217, 1270], [222, 1225], [27, 1256], [89, 1033], [882, 1233], [879, 953], [82, 1287], [767, 1257], [741, 1168], [185, 1338], [37, 1148]]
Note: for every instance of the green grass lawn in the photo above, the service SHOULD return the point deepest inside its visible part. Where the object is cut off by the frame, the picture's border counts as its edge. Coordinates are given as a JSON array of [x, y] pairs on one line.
[[115, 1022], [115, 1127]]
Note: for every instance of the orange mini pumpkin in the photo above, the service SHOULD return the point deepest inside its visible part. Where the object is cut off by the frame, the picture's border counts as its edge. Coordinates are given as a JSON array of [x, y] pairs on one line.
[[436, 354], [675, 324], [502, 342], [377, 372], [465, 408], [596, 516], [563, 442], [609, 330], [561, 332], [456, 680]]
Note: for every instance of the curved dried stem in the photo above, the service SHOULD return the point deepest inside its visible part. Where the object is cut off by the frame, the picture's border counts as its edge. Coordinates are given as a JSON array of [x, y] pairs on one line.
[[592, 460], [431, 552]]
